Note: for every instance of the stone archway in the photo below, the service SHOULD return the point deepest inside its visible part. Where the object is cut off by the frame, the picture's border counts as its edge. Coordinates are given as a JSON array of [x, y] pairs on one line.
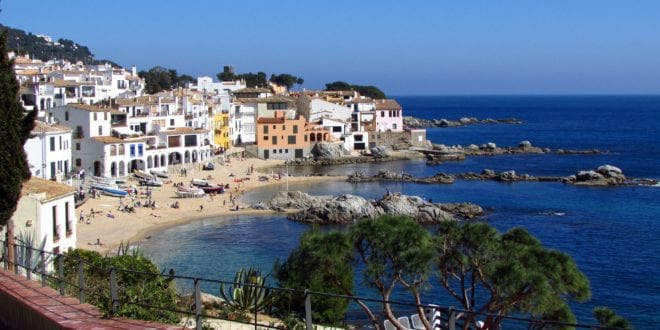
[[175, 158], [312, 137]]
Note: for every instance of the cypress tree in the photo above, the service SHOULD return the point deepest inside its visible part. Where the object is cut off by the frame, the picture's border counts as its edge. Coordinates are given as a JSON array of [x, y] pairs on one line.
[[15, 128]]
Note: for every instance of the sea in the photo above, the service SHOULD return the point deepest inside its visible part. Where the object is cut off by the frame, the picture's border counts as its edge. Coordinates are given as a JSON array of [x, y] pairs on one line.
[[612, 233]]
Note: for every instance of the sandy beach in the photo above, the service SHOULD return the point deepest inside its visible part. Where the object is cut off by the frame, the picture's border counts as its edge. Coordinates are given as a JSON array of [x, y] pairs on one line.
[[112, 227]]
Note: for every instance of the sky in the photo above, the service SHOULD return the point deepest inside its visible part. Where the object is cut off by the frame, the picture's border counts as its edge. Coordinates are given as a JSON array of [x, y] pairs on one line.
[[404, 47]]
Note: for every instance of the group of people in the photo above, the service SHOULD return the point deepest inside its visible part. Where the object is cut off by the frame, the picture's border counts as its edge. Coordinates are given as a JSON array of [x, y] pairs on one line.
[[87, 219]]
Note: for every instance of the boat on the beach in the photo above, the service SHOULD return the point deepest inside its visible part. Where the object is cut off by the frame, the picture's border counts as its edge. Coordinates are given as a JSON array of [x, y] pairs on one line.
[[114, 192], [214, 189], [208, 166], [184, 192], [200, 182], [102, 179], [142, 175], [160, 173], [102, 185], [152, 182]]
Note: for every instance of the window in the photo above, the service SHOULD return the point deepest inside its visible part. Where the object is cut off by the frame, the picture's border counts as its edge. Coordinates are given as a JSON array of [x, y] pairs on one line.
[[265, 137], [274, 151], [265, 129], [295, 129], [291, 139], [171, 122], [105, 116], [56, 234], [66, 115], [336, 129], [284, 127], [78, 162], [100, 130], [393, 126], [274, 140], [67, 224], [77, 145], [382, 113], [60, 143], [132, 148], [273, 126], [95, 116], [280, 150], [79, 133], [52, 143], [140, 149], [305, 137]]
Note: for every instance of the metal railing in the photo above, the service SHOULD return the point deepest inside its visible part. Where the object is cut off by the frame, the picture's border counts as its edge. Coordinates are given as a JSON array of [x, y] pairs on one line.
[[50, 269]]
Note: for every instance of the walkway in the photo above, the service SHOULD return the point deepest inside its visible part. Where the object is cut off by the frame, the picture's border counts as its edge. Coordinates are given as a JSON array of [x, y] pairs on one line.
[[24, 304]]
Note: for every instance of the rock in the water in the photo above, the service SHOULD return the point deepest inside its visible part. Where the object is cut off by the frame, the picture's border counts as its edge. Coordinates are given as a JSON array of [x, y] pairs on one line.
[[488, 173], [415, 207], [379, 152], [507, 176], [524, 145], [490, 146], [294, 200], [327, 150], [609, 170], [588, 176], [340, 209], [465, 210]]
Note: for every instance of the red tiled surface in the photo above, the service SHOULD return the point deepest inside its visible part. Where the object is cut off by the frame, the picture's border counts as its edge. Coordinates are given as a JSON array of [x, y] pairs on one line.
[[24, 304]]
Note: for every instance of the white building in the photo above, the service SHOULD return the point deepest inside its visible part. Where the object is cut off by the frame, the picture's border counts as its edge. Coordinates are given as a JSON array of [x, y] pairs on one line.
[[46, 210], [49, 152], [206, 84], [104, 145], [389, 116]]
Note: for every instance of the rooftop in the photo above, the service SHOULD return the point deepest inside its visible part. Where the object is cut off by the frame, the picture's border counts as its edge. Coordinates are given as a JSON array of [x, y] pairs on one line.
[[52, 189], [271, 99], [387, 104], [41, 127], [252, 90], [93, 108]]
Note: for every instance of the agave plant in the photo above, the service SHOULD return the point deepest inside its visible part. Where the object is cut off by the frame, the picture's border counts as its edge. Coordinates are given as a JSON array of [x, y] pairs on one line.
[[28, 253], [247, 297]]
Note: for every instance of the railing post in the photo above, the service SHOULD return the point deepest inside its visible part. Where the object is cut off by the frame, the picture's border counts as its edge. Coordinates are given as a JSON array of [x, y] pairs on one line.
[[452, 318], [60, 272], [198, 306], [81, 281], [308, 310], [16, 268], [42, 256], [27, 262], [113, 291]]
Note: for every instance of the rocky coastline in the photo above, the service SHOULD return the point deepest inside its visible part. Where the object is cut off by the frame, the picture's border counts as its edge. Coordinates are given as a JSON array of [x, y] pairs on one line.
[[348, 208], [605, 175], [428, 123], [440, 152]]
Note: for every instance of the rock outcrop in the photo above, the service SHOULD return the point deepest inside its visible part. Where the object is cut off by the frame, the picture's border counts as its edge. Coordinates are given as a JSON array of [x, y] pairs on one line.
[[423, 123], [327, 150], [349, 208], [605, 175]]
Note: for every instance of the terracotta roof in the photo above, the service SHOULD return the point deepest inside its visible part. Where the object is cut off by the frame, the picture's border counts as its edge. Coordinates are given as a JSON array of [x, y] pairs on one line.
[[266, 120], [271, 99], [183, 130], [252, 90], [51, 188], [93, 108], [360, 101], [67, 83], [387, 104], [113, 140], [40, 127], [143, 100]]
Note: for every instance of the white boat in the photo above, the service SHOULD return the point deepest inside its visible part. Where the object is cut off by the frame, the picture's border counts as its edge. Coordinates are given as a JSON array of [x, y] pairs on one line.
[[142, 175], [101, 179], [114, 192], [153, 182], [200, 182], [160, 173], [103, 185], [190, 193]]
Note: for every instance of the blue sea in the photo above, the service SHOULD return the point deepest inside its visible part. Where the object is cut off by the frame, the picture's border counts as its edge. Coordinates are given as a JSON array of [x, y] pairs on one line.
[[611, 232]]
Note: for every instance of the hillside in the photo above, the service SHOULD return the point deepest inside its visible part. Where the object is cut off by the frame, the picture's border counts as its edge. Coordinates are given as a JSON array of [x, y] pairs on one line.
[[28, 43]]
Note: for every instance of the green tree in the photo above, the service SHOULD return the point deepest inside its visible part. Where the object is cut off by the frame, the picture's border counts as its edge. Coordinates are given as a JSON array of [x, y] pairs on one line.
[[15, 128], [322, 262], [226, 76], [488, 272], [395, 250], [132, 287], [608, 318], [286, 79], [368, 91], [157, 79]]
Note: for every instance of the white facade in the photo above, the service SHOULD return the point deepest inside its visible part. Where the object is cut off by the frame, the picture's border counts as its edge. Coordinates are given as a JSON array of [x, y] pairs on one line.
[[49, 152], [206, 84], [388, 116], [46, 210], [319, 108]]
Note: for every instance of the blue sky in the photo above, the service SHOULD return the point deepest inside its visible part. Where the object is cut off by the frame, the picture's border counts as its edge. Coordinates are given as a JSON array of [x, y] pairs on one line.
[[404, 47]]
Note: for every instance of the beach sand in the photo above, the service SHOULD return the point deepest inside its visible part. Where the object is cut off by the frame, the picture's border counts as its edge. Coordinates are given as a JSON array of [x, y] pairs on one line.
[[132, 227]]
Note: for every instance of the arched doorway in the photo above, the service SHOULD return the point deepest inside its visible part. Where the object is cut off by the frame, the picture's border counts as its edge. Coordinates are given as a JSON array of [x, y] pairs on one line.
[[97, 168], [149, 162], [186, 157], [312, 137], [137, 164], [162, 161], [319, 137], [175, 158], [156, 161], [113, 169], [194, 156], [122, 168]]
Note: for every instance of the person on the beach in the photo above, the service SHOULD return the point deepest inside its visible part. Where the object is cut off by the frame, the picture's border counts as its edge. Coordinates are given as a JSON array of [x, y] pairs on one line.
[[91, 211], [201, 208], [82, 217]]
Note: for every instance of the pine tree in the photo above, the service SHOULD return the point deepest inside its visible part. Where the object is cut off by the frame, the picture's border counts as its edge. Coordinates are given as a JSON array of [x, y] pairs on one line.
[[15, 128]]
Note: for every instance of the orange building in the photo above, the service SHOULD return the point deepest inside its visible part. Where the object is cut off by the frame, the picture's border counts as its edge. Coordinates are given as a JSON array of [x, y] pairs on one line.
[[284, 138]]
